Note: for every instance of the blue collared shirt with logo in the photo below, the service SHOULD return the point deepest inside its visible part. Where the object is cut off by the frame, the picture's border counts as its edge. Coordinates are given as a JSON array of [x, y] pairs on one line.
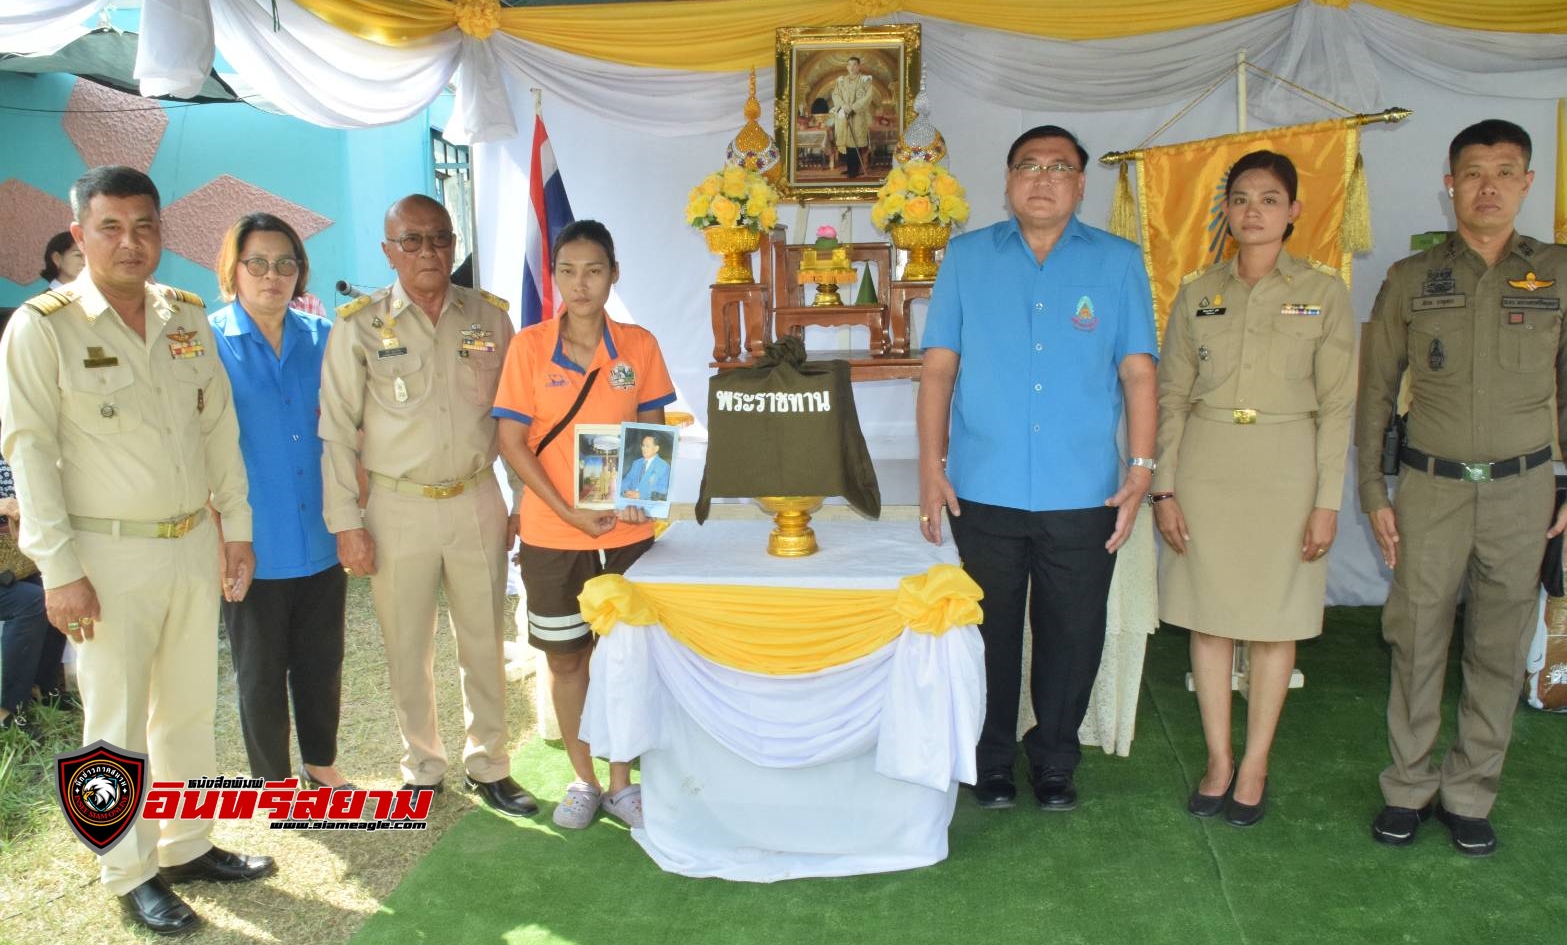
[[1038, 400]]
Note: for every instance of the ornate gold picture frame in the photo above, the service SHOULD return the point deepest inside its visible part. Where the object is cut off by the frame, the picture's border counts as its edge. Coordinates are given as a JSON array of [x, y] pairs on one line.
[[843, 96]]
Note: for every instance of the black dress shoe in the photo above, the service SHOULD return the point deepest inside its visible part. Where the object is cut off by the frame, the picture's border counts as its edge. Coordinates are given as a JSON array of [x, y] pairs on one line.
[[505, 795], [1209, 805], [220, 866], [308, 781], [995, 790], [1053, 788], [435, 788], [1396, 826], [1472, 836], [159, 908], [1237, 814]]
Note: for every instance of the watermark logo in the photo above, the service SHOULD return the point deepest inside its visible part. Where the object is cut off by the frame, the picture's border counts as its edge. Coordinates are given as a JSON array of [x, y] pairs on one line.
[[102, 793], [100, 790]]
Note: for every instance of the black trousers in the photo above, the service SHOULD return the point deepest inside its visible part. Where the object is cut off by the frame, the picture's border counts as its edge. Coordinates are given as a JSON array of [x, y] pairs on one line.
[[1055, 565], [287, 640]]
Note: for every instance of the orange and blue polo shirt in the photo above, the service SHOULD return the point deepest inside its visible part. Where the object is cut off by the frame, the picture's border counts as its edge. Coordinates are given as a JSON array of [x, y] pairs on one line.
[[539, 384]]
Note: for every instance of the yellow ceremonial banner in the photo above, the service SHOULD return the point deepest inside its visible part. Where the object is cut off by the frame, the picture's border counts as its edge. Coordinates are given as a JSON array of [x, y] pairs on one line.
[[1180, 200], [1561, 171]]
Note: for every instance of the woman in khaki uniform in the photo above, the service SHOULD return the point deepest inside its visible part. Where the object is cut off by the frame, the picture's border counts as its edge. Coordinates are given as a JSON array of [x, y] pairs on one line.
[[1256, 382]]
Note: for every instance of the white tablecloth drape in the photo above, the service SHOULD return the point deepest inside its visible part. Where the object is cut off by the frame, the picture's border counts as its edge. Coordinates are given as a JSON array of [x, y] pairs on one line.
[[748, 776]]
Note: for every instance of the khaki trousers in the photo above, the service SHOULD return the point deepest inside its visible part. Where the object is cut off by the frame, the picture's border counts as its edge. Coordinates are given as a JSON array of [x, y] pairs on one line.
[[1493, 533], [149, 679], [458, 543]]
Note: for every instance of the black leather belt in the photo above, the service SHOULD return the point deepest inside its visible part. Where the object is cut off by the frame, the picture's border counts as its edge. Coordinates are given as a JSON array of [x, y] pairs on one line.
[[1472, 472]]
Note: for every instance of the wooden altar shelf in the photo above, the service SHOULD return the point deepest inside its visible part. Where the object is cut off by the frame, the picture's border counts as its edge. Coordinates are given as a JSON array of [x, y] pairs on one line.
[[747, 317], [862, 365]]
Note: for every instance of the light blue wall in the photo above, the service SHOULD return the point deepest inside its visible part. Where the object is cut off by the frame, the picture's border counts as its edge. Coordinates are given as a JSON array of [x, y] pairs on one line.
[[349, 177]]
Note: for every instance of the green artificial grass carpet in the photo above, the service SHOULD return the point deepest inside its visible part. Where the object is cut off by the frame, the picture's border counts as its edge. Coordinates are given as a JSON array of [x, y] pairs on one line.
[[1128, 866]]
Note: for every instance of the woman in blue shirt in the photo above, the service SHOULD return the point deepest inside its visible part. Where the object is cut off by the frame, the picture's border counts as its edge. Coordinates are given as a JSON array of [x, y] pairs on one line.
[[287, 634]]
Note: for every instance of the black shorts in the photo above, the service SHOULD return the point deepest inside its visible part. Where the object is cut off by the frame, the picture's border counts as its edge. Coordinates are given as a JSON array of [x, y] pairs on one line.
[[553, 578]]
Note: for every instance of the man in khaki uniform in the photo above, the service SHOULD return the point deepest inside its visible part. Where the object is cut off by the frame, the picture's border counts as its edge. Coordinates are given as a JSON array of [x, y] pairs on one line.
[[118, 424], [412, 368], [1477, 321]]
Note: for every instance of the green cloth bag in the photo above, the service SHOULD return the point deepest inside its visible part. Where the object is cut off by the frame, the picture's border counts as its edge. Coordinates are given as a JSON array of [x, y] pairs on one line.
[[786, 426]]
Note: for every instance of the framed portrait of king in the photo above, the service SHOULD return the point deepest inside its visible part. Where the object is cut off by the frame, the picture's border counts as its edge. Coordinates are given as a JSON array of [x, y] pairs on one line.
[[843, 96]]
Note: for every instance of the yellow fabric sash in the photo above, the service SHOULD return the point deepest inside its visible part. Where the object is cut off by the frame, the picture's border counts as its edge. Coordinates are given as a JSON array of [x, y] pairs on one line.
[[731, 35], [781, 630]]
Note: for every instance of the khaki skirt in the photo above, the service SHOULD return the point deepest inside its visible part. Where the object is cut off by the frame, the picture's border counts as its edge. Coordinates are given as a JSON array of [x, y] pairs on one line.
[[1246, 491]]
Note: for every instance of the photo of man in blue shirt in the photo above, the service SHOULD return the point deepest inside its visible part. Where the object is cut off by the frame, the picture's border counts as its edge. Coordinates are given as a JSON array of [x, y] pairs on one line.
[[648, 477]]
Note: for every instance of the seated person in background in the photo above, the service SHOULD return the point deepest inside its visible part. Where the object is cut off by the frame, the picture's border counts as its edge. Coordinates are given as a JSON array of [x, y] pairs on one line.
[[29, 648]]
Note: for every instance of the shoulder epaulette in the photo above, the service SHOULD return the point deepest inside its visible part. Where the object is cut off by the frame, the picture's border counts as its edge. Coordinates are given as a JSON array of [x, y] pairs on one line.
[[1323, 268], [495, 300], [355, 304], [50, 302], [180, 295], [1196, 274]]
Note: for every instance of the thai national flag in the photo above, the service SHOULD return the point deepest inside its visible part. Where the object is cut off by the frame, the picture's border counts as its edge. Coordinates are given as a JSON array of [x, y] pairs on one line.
[[551, 213]]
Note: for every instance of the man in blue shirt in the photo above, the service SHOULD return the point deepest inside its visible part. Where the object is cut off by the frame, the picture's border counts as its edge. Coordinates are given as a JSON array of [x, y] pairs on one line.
[[648, 477], [1040, 334]]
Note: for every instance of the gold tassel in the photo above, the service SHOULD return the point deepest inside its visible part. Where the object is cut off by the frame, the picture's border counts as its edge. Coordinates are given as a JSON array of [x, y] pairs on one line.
[[1123, 212], [1356, 232]]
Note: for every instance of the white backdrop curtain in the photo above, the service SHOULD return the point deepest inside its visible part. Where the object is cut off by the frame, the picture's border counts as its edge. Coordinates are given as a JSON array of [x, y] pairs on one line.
[[315, 71], [42, 26]]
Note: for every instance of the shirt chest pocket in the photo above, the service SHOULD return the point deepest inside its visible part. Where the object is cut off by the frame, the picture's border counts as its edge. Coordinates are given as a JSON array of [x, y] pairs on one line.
[[1529, 346], [102, 401], [1438, 343], [1216, 339], [478, 375], [1292, 348], [399, 383]]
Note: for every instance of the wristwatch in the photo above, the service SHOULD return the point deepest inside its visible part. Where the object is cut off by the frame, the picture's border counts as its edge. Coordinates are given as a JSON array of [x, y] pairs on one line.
[[1144, 462]]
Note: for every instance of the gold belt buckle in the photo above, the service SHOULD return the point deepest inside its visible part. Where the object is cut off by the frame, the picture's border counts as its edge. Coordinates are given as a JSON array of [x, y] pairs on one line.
[[1245, 415], [176, 529], [444, 491]]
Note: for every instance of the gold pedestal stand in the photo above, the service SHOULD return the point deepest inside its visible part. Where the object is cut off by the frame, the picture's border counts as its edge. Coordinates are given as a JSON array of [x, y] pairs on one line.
[[792, 535]]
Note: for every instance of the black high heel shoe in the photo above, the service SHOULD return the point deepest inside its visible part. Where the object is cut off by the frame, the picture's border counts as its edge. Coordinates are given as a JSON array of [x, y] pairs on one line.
[[1209, 805], [307, 781], [1237, 814]]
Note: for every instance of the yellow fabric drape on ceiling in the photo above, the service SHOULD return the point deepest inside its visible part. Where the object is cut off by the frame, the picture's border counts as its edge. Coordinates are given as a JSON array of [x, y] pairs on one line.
[[730, 35], [780, 630], [1180, 197]]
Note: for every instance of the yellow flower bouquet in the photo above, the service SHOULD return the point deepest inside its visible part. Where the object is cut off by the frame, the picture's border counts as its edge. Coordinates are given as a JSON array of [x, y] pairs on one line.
[[919, 192], [734, 196]]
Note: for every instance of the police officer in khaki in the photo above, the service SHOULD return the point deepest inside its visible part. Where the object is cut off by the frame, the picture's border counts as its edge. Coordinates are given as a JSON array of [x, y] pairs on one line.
[[406, 388], [1477, 321], [118, 424]]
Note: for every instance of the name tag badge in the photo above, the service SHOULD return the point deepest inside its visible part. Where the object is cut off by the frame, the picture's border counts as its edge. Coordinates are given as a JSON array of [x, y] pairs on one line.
[[97, 359], [1206, 308], [391, 352], [1426, 303], [1542, 303], [1300, 309]]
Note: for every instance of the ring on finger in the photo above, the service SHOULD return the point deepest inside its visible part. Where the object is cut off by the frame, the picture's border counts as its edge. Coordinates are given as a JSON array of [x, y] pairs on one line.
[[75, 625]]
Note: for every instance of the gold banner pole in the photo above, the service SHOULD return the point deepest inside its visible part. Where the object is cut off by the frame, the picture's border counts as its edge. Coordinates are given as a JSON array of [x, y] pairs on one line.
[[1389, 115]]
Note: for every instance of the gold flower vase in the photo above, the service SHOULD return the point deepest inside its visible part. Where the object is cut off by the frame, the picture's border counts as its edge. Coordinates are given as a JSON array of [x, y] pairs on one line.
[[792, 535], [921, 240], [735, 244]]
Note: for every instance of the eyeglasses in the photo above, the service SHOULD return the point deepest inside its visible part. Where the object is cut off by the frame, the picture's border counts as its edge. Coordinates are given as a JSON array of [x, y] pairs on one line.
[[258, 266], [413, 242], [1056, 171]]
